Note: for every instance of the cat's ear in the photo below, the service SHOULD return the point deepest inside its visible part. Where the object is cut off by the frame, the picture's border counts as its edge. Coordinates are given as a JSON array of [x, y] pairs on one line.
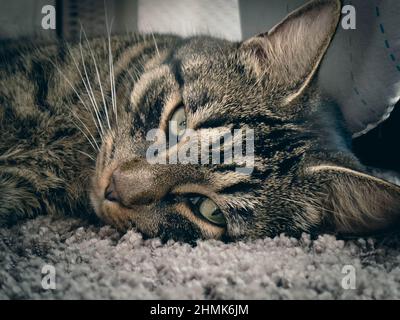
[[290, 53], [355, 202]]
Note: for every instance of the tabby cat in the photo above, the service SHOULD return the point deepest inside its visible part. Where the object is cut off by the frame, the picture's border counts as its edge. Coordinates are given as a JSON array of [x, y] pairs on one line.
[[74, 121]]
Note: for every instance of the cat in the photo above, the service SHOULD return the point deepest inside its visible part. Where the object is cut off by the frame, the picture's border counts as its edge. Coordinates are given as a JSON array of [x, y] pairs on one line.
[[74, 121]]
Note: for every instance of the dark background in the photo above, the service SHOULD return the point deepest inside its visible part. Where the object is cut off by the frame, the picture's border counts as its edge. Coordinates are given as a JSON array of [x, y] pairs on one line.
[[380, 146]]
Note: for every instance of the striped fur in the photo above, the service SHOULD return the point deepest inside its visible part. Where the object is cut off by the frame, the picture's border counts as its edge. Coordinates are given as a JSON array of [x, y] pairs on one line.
[[71, 114]]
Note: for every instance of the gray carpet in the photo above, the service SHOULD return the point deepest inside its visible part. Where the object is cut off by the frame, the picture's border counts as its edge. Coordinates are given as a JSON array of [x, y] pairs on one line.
[[96, 262]]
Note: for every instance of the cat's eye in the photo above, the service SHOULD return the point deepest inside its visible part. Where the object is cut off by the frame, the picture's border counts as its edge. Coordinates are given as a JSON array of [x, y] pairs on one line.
[[208, 210], [179, 117]]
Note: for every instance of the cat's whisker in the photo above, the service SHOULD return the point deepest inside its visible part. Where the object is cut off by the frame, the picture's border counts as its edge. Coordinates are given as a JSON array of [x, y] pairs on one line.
[[97, 148], [94, 111], [86, 154], [111, 66], [90, 91], [80, 99], [155, 44], [98, 77], [85, 85]]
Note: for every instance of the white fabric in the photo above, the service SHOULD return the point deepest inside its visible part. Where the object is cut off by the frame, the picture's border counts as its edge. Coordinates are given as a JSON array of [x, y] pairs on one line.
[[362, 67], [190, 17]]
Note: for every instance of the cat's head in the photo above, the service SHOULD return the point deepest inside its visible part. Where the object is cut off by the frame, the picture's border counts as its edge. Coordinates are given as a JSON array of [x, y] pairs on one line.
[[304, 178]]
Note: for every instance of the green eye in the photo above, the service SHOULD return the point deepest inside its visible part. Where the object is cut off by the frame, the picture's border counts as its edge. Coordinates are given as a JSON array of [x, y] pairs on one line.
[[179, 117], [209, 210]]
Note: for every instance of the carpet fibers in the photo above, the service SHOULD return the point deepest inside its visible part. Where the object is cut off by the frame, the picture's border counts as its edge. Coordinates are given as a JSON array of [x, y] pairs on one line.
[[97, 262]]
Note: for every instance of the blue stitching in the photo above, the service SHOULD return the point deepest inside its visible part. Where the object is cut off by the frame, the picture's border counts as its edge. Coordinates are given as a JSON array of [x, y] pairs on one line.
[[387, 44]]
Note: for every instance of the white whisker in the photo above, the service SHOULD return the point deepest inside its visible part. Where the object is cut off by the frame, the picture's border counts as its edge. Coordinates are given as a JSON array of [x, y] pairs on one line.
[[86, 154], [80, 99], [95, 148], [111, 66], [90, 92], [87, 89], [155, 44], [98, 78]]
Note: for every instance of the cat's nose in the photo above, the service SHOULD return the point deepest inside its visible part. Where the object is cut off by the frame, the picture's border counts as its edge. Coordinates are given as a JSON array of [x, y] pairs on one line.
[[111, 193], [135, 184]]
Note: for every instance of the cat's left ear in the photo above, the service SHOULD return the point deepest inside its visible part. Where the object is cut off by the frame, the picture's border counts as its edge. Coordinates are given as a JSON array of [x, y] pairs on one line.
[[289, 54]]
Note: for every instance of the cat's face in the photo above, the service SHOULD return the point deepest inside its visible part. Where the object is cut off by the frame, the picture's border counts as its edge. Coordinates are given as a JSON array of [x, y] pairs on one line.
[[212, 86]]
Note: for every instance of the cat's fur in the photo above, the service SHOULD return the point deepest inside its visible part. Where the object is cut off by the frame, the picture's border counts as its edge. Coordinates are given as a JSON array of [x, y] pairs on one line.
[[305, 179]]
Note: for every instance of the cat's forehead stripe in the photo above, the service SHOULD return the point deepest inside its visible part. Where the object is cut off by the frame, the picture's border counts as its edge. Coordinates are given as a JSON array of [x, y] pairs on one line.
[[130, 54], [142, 87]]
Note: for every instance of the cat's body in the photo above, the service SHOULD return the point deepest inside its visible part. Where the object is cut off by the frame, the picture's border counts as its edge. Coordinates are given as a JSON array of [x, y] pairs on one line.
[[305, 176]]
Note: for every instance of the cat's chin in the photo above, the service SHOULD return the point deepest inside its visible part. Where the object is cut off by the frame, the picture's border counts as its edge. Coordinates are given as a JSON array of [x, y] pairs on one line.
[[123, 218], [116, 215]]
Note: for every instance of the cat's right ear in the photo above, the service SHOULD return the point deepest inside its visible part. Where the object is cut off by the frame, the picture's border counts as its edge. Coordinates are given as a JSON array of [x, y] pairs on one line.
[[354, 202], [289, 54]]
